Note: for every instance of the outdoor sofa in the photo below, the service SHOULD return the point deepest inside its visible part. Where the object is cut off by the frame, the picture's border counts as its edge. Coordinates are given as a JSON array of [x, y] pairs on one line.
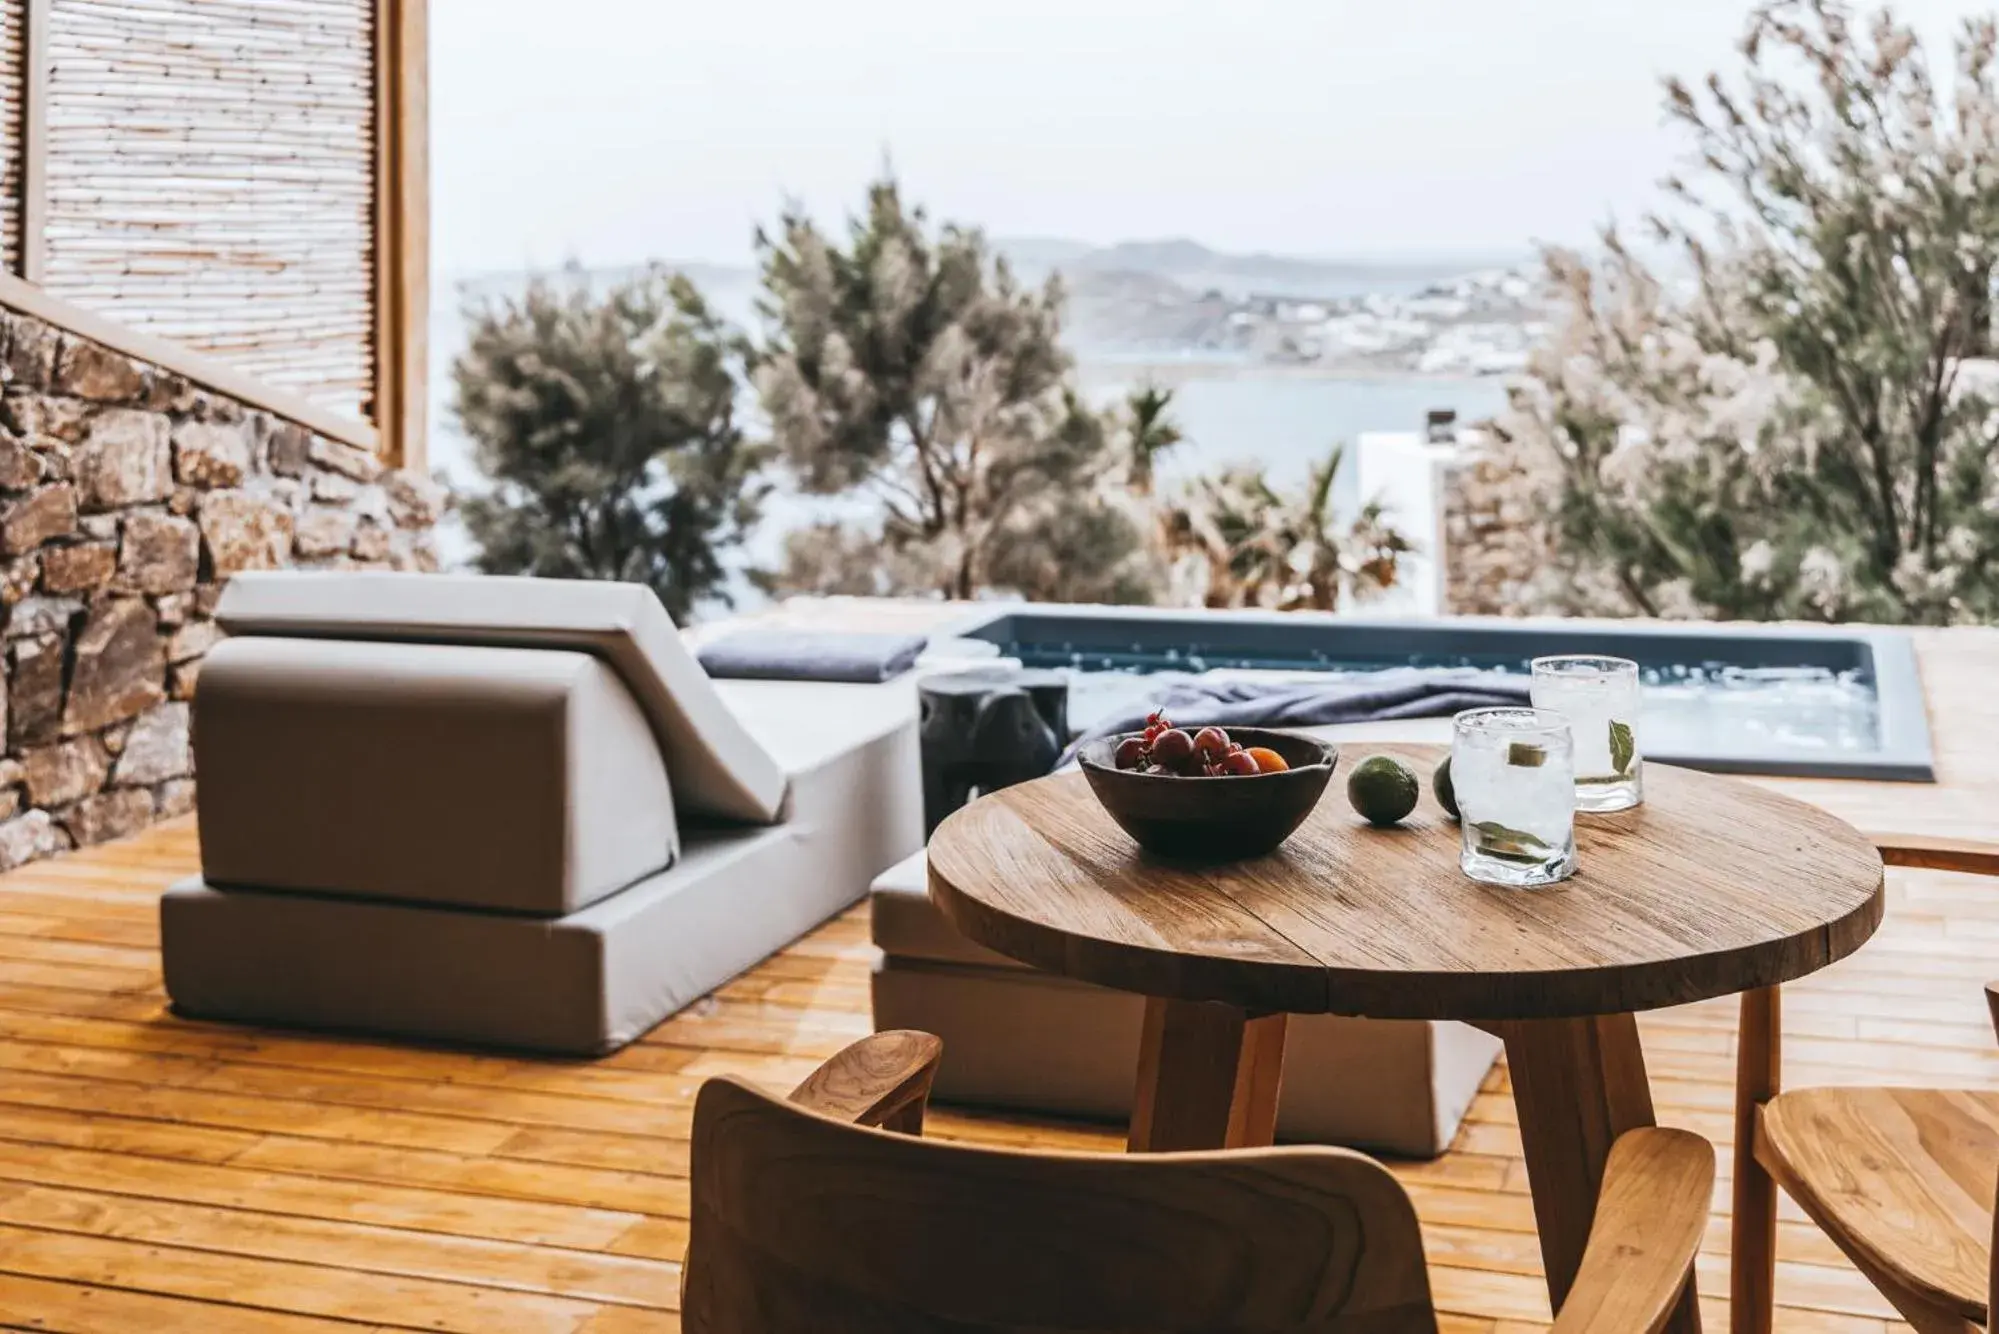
[[511, 812], [517, 813]]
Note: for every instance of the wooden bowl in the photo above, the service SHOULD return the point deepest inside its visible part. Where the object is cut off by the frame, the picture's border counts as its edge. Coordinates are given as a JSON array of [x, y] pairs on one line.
[[1213, 819]]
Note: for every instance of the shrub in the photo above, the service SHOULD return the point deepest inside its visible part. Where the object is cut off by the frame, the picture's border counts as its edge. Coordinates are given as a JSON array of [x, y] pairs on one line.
[[607, 426]]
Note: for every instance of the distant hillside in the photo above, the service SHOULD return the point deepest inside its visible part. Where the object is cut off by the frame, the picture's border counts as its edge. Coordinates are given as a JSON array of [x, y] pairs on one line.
[[1200, 269], [1178, 261], [1173, 296], [1041, 253]]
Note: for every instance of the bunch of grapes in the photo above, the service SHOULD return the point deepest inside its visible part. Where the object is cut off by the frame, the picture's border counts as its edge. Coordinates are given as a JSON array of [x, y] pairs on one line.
[[1165, 749]]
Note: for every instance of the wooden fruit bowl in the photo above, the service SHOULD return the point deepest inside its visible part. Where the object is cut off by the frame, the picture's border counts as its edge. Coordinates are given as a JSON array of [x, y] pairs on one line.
[[1213, 819]]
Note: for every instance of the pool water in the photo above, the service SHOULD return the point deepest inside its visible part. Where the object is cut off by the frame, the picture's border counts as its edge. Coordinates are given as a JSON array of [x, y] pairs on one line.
[[1834, 701], [1687, 710], [1796, 708]]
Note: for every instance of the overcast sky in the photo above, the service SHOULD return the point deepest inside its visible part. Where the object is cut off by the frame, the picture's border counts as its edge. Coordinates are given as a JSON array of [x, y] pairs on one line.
[[614, 131]]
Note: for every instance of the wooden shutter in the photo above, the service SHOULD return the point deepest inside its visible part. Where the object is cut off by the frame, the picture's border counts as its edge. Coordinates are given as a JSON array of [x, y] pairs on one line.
[[210, 169], [13, 82]]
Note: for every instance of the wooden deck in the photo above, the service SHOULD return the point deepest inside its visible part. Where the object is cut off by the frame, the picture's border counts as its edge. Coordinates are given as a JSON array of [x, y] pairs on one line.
[[164, 1176], [167, 1177]]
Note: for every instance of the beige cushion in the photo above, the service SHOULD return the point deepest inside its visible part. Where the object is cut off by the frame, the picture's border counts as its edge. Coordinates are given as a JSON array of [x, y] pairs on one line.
[[803, 726], [907, 925], [717, 769], [1018, 1038], [505, 779]]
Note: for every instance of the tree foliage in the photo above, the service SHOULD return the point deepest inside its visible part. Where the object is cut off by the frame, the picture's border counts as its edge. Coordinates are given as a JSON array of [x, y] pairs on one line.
[[1246, 543], [909, 365], [1796, 430], [608, 428], [910, 380]]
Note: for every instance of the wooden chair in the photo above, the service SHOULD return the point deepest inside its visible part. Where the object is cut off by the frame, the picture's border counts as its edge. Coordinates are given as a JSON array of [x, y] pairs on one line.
[[1903, 1180], [804, 1219]]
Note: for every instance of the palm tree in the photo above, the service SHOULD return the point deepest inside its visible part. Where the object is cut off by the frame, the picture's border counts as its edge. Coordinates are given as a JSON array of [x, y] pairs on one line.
[[1264, 548], [1360, 563], [1219, 524], [1152, 432]]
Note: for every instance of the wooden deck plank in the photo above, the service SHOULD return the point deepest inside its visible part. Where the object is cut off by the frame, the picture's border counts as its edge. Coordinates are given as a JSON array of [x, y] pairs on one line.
[[158, 1174], [51, 1307], [363, 1248], [282, 1286], [420, 1209]]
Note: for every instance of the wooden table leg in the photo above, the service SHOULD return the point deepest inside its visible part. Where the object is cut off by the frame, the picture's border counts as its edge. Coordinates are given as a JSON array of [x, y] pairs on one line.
[[1577, 1084], [1753, 1234], [1208, 1078]]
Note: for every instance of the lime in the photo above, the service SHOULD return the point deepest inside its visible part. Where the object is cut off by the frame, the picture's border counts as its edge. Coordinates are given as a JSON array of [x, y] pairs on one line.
[[1440, 783], [1382, 790]]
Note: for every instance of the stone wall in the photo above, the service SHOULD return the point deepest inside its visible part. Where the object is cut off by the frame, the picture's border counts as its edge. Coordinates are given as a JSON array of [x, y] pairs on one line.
[[1496, 540], [128, 496]]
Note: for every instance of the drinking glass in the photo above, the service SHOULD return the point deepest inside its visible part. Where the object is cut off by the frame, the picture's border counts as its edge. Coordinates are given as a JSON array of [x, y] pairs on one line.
[[1514, 774], [1600, 697]]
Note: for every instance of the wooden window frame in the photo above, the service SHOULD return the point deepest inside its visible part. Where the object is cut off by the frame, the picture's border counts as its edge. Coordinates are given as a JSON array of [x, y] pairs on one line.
[[402, 229]]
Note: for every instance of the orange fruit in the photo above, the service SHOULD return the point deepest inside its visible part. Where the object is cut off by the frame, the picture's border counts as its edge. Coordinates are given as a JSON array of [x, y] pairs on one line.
[[1267, 760]]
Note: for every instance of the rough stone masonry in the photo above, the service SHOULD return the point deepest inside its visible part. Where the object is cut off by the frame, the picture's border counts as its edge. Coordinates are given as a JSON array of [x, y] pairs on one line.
[[128, 497], [1496, 539]]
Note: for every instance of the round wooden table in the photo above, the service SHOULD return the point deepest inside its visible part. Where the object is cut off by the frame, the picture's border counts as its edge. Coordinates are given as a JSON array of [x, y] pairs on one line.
[[1714, 886]]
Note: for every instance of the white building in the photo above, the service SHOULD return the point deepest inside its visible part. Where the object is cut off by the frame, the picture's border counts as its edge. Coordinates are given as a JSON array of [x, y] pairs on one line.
[[1407, 472]]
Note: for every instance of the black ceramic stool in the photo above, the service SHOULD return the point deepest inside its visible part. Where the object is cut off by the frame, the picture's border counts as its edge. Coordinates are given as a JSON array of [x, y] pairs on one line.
[[985, 730]]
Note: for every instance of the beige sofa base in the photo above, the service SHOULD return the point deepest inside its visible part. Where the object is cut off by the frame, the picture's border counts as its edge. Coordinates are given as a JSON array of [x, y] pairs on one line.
[[1027, 1041], [590, 981], [579, 985]]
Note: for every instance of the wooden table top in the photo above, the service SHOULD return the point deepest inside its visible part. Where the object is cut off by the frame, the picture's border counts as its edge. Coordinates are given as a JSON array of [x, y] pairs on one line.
[[1713, 886]]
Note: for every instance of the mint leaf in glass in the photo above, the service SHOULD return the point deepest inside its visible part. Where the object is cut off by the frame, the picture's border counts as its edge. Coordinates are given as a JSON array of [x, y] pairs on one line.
[[1513, 845], [1525, 755], [1623, 747]]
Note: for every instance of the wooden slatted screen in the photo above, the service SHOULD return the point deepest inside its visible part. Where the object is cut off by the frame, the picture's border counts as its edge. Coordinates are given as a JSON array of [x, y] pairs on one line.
[[13, 81], [210, 169]]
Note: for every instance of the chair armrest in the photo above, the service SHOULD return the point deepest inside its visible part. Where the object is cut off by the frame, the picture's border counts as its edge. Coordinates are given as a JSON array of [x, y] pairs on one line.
[[1971, 855], [1650, 1216], [882, 1080]]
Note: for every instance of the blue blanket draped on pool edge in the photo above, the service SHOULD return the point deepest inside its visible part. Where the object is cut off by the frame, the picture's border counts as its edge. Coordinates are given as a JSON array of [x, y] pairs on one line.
[[1401, 692]]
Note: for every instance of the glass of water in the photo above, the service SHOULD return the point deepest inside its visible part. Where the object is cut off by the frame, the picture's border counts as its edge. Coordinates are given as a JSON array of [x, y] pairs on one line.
[[1600, 697], [1515, 779]]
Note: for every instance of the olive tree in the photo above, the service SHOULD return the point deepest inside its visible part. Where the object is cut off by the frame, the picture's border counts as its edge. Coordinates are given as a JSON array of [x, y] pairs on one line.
[[1793, 419], [607, 427], [904, 364]]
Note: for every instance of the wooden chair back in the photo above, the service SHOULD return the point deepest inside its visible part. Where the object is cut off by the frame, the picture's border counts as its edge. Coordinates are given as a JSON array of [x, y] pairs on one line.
[[1758, 1079], [803, 1223]]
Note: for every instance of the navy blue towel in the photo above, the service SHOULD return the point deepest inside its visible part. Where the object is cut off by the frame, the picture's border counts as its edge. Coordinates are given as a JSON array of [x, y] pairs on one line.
[[811, 655], [1402, 692]]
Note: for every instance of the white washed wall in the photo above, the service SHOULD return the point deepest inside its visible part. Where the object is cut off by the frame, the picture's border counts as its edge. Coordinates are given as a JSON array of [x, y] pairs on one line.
[[1406, 473]]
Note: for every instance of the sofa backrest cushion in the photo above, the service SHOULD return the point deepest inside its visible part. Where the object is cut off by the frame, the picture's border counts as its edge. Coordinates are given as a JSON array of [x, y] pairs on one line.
[[716, 767], [459, 776]]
